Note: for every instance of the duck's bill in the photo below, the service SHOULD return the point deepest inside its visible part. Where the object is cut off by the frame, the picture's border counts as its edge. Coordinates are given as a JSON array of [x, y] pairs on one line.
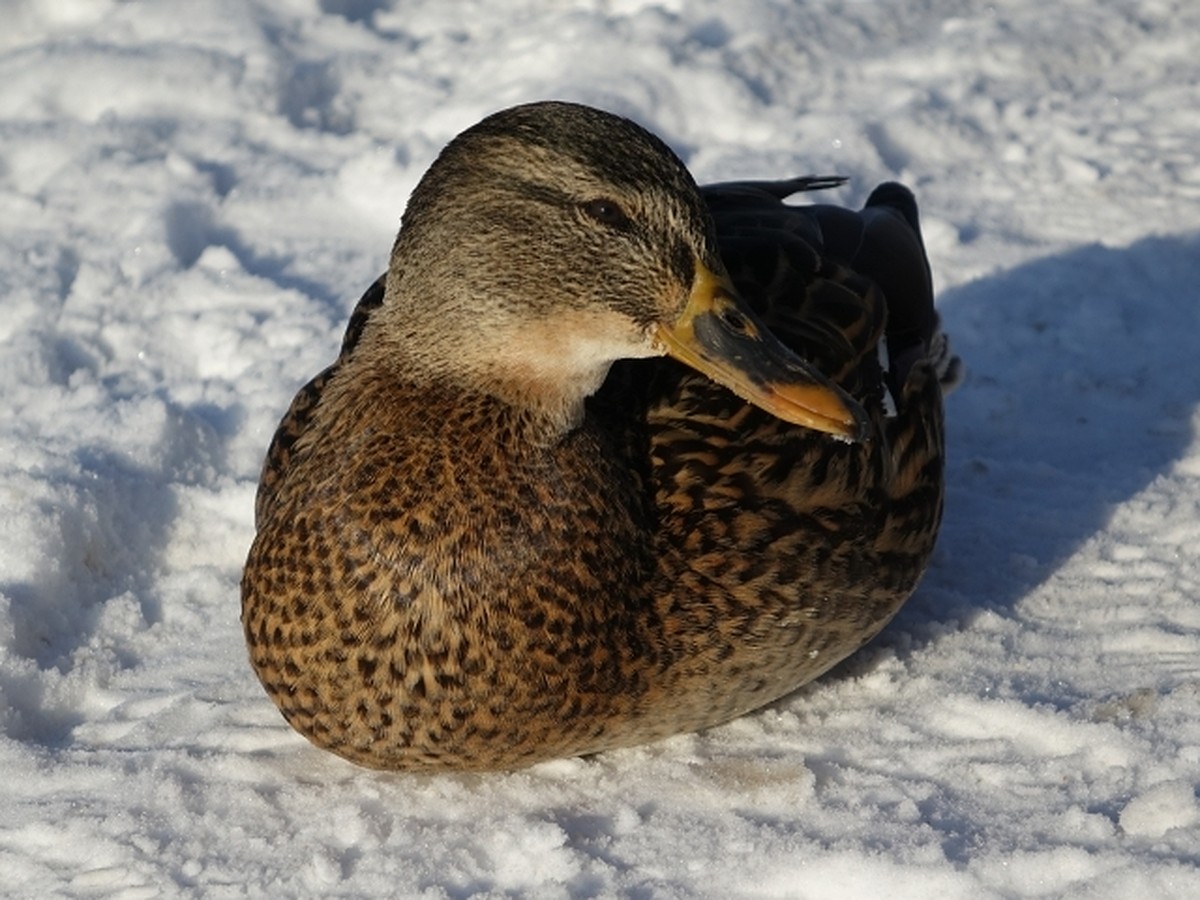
[[720, 337]]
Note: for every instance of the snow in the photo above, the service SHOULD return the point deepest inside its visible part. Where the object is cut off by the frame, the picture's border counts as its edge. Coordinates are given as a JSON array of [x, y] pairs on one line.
[[192, 196]]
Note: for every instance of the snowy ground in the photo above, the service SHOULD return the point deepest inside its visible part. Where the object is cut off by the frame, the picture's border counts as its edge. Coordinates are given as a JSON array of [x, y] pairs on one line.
[[192, 195]]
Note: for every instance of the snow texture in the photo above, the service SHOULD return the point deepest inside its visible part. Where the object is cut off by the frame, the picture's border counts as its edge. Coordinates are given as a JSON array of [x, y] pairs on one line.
[[193, 195]]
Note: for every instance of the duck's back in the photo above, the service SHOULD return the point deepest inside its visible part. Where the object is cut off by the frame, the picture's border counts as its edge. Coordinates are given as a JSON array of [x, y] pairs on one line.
[[805, 546]]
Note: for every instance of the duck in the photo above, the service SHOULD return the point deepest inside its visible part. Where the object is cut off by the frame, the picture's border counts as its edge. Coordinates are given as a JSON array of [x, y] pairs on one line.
[[604, 457]]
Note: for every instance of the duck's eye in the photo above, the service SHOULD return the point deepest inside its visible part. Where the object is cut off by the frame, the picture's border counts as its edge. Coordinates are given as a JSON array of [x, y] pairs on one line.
[[606, 212]]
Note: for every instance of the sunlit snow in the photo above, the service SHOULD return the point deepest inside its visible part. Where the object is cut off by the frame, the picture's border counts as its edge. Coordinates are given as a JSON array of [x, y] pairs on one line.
[[193, 196]]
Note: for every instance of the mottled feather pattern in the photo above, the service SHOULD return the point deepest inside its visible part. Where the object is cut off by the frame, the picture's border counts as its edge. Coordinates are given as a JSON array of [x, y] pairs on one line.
[[433, 585]]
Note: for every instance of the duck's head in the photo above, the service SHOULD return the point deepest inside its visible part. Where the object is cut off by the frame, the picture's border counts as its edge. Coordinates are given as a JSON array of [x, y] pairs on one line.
[[553, 239]]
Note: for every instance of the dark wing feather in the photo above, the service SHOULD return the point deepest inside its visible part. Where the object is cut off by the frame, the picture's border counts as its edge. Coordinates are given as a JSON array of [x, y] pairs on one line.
[[832, 282]]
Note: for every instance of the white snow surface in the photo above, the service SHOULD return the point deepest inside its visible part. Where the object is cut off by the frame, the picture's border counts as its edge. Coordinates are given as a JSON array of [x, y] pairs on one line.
[[193, 196]]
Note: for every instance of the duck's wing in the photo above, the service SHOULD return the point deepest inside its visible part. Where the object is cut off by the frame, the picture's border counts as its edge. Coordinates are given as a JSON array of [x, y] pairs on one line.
[[792, 527], [296, 420], [849, 290]]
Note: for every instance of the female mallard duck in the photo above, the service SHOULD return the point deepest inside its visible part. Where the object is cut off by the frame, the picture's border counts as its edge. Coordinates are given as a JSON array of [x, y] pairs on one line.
[[502, 528]]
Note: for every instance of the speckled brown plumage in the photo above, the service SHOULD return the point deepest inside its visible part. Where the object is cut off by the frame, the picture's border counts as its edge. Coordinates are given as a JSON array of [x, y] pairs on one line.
[[481, 543]]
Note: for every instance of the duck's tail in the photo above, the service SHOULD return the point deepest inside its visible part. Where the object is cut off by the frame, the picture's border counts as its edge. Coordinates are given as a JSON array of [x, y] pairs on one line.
[[892, 253]]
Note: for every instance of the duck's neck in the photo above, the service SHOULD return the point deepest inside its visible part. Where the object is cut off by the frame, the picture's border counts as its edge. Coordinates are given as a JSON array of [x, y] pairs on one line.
[[542, 370], [543, 390]]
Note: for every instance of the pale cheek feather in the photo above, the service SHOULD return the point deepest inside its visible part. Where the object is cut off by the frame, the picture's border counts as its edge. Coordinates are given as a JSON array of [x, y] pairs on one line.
[[567, 357]]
